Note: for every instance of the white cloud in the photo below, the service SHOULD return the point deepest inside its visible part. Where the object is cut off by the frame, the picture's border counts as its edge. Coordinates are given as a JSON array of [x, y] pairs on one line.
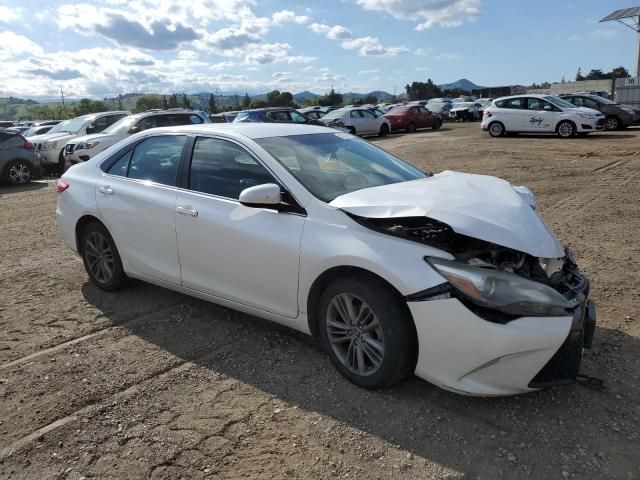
[[365, 46], [13, 45], [287, 16], [429, 52], [8, 15], [368, 72], [433, 13]]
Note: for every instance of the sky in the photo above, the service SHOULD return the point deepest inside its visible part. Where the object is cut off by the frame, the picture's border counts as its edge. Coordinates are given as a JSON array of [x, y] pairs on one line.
[[107, 47]]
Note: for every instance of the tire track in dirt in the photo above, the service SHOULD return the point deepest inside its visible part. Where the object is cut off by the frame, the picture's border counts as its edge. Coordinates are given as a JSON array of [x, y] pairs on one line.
[[162, 375]]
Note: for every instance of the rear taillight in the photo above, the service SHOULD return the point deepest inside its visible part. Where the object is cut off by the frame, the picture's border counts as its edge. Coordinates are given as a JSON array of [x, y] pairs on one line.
[[487, 113], [62, 185], [28, 145]]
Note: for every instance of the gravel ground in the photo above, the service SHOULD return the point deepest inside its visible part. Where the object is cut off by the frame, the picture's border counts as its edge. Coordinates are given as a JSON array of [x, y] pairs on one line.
[[147, 383]]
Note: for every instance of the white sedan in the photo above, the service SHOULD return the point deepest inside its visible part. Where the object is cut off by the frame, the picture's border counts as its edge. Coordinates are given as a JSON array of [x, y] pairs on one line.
[[358, 121], [452, 277]]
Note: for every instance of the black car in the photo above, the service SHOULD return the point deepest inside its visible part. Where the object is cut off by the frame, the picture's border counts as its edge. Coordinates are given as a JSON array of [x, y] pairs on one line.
[[616, 115], [274, 115]]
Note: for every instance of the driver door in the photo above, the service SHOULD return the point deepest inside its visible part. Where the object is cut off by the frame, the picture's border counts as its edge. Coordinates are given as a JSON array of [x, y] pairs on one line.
[[541, 116], [243, 254]]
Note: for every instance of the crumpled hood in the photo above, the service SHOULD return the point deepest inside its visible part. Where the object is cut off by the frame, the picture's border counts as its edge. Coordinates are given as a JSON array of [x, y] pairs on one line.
[[479, 206]]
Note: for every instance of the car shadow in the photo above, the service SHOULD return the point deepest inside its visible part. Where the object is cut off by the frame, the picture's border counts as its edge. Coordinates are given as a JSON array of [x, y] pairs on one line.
[[35, 185], [591, 137], [527, 436], [400, 133]]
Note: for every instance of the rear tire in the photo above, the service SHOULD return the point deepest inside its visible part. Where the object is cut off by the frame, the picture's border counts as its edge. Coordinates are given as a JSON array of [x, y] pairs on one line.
[[367, 331], [411, 127], [101, 258], [384, 130], [496, 129], [566, 129], [18, 172], [352, 130], [437, 125]]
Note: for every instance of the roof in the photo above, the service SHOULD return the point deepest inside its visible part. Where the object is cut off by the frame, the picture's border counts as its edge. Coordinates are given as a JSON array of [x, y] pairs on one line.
[[249, 129], [97, 114], [268, 109]]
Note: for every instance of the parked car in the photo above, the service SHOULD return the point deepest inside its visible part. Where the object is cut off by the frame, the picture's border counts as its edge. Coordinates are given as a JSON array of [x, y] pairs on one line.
[[223, 117], [81, 149], [466, 111], [411, 118], [273, 115], [616, 115], [453, 277], [18, 162], [440, 108], [50, 146], [314, 113], [37, 130], [540, 114], [357, 121]]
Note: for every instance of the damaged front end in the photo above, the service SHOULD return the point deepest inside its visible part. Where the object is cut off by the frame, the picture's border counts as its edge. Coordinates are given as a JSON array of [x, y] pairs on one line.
[[500, 285]]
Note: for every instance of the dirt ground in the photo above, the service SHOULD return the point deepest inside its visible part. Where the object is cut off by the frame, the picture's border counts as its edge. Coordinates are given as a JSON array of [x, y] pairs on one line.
[[147, 383]]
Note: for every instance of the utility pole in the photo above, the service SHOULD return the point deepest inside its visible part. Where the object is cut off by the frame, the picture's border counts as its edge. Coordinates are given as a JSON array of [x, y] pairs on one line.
[[62, 110]]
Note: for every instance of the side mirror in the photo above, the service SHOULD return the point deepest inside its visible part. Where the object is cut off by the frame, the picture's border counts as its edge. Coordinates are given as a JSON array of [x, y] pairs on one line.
[[133, 130], [548, 108], [265, 195], [91, 129]]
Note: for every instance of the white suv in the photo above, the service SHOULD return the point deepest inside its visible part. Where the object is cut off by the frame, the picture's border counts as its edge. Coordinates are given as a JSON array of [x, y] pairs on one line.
[[49, 147], [358, 121], [540, 114]]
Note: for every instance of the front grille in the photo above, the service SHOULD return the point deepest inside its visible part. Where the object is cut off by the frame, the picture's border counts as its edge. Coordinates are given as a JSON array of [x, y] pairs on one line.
[[68, 149]]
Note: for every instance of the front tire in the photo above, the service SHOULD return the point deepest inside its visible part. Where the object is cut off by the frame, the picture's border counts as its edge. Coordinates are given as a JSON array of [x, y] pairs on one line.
[[437, 125], [496, 129], [566, 129], [384, 130], [367, 331], [101, 258], [18, 172], [411, 127], [612, 123]]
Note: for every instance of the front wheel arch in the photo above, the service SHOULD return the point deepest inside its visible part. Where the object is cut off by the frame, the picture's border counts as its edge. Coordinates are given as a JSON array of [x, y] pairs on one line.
[[81, 224], [328, 276]]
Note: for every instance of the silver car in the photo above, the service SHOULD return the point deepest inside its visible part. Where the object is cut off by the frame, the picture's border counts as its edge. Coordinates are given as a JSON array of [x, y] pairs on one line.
[[18, 162]]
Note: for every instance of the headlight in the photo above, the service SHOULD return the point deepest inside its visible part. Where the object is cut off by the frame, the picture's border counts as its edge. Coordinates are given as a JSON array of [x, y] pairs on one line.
[[91, 145], [49, 145], [498, 290], [587, 115]]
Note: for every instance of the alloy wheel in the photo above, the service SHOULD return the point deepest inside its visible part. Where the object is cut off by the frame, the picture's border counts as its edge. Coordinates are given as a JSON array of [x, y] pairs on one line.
[[565, 129], [19, 174], [99, 257], [355, 334], [611, 123], [496, 129]]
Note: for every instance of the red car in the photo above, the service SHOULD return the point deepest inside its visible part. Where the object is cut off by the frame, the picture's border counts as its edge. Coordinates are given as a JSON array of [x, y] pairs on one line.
[[412, 117]]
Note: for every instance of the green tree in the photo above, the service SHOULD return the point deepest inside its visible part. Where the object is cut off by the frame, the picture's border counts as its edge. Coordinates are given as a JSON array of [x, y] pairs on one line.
[[246, 101], [185, 103], [579, 76], [173, 101], [597, 74], [147, 102], [422, 90], [332, 99], [259, 104], [619, 72], [120, 107], [165, 102], [213, 108], [87, 105]]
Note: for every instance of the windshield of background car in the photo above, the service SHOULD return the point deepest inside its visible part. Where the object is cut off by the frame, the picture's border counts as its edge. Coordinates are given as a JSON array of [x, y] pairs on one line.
[[121, 126], [558, 102], [334, 114], [74, 126], [333, 164], [463, 105], [59, 127]]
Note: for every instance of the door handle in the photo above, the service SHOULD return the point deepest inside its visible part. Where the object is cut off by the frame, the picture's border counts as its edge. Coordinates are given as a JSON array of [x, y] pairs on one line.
[[106, 189], [187, 210]]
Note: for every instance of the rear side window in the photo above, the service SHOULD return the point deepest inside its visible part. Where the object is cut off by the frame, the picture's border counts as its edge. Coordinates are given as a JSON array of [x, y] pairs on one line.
[[356, 114], [10, 140], [223, 168], [155, 159], [146, 123], [514, 103], [279, 116], [100, 124]]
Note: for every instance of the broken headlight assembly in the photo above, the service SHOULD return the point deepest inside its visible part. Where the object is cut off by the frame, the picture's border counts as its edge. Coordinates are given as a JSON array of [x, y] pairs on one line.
[[502, 291]]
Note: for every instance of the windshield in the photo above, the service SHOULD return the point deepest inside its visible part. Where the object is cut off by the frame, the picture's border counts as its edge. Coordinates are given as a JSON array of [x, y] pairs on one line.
[[334, 114], [121, 126], [558, 102], [333, 164], [606, 101], [71, 126], [59, 127]]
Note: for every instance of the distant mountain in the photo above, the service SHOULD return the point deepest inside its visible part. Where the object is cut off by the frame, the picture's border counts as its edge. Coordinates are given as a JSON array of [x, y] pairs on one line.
[[463, 84], [302, 96]]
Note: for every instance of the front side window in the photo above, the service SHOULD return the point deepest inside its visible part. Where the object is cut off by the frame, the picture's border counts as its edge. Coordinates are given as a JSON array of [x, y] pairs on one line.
[[297, 118], [333, 164], [589, 103], [155, 159], [367, 114], [147, 123], [223, 168], [279, 116], [356, 114], [538, 104]]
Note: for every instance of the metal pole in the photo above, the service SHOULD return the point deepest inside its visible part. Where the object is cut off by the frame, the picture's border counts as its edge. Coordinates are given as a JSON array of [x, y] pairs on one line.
[[638, 64]]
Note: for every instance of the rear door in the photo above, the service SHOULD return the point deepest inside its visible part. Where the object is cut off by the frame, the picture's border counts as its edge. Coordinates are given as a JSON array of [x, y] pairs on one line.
[[136, 198], [512, 113], [370, 121], [246, 255]]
